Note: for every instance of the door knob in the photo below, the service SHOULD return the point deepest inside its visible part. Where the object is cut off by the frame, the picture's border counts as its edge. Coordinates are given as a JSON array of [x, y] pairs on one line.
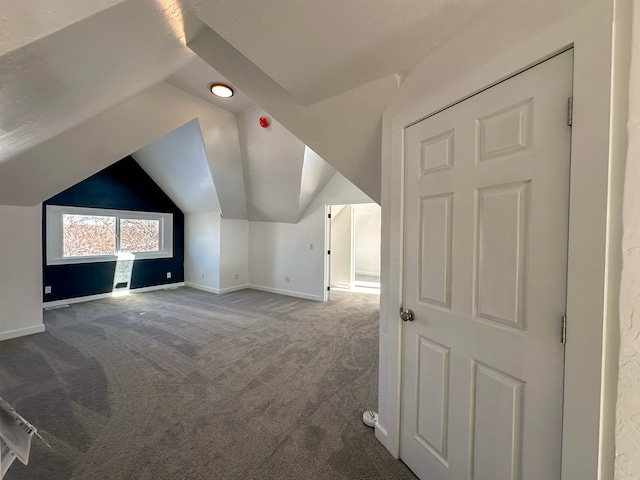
[[406, 315]]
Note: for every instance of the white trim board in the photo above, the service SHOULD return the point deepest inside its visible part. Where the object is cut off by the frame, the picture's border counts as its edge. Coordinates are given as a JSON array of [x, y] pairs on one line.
[[589, 32], [289, 293], [217, 291], [100, 296], [371, 274], [21, 332]]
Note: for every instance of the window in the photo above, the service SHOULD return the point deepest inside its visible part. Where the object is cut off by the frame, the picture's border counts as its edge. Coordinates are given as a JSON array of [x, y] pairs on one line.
[[88, 235], [81, 235], [138, 235]]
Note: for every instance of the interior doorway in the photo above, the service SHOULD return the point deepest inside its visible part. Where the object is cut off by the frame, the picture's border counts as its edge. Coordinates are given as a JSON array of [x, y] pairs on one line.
[[354, 248]]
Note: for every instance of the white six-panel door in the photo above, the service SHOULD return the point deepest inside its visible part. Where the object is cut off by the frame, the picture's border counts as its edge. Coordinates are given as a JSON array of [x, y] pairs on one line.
[[485, 259]]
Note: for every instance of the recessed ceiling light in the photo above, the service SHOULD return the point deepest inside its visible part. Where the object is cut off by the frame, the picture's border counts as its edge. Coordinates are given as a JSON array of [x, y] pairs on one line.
[[220, 90]]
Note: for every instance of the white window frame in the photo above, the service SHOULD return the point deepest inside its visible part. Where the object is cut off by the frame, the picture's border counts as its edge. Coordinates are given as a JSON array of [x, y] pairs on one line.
[[54, 248]]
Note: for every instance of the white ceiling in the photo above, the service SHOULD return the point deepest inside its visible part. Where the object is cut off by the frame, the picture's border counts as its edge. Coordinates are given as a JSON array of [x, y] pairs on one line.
[[316, 173], [62, 79], [197, 76], [24, 21], [177, 162], [316, 50], [272, 159], [282, 175], [84, 83]]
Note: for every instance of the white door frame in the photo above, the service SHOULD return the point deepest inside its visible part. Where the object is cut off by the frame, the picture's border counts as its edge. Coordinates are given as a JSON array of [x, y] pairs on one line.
[[327, 249], [589, 263]]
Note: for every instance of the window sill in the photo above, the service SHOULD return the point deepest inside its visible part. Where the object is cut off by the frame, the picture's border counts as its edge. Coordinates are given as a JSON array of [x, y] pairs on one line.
[[108, 258]]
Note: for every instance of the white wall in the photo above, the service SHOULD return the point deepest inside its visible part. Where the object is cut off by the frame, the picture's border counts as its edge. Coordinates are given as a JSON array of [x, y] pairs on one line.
[[234, 254], [202, 251], [279, 250], [216, 250], [627, 433], [20, 271], [366, 225], [341, 246]]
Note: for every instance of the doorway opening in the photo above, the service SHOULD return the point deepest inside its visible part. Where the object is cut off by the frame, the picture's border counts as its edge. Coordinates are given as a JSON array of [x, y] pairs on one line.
[[353, 262]]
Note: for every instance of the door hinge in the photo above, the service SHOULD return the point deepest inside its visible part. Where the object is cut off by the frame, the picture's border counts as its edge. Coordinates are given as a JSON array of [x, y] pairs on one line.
[[570, 111], [328, 252], [328, 289], [563, 335], [329, 216]]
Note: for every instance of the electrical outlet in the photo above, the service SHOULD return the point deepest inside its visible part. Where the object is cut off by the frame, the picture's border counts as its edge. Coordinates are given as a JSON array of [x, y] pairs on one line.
[[311, 246], [168, 274], [47, 289], [287, 280], [236, 276]]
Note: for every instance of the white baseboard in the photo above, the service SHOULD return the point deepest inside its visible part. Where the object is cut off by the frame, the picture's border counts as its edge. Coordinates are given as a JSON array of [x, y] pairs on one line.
[[21, 332], [204, 288], [218, 291], [100, 296], [255, 287], [290, 293], [88, 298], [234, 289]]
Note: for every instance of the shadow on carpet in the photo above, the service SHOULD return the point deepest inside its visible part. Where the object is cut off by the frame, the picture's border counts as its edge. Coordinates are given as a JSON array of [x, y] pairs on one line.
[[183, 384]]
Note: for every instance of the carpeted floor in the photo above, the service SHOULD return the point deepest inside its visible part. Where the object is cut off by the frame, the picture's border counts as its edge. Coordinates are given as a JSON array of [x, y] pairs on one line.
[[182, 384]]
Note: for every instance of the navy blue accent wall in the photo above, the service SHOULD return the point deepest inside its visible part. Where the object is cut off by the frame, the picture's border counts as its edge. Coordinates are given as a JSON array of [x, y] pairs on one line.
[[122, 186]]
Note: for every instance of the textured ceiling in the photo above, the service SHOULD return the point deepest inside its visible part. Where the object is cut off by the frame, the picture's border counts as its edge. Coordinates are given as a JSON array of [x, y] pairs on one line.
[[84, 83], [24, 21], [316, 50], [177, 162], [63, 79], [282, 175], [197, 76], [272, 158]]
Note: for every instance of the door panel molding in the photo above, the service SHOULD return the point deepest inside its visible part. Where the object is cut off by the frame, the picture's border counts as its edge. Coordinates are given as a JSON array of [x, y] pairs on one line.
[[588, 253]]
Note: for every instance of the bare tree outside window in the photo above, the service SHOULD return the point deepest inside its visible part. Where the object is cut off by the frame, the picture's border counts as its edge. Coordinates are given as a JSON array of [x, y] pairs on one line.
[[88, 235], [139, 235]]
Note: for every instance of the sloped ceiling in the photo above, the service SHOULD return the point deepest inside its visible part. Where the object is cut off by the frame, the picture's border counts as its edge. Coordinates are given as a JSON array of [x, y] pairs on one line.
[[25, 21], [197, 76], [83, 83], [316, 173], [66, 159], [345, 130], [178, 163], [68, 76], [317, 50], [281, 174]]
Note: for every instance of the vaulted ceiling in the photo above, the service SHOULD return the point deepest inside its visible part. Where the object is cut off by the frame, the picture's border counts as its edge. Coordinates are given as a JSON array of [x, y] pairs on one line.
[[83, 83]]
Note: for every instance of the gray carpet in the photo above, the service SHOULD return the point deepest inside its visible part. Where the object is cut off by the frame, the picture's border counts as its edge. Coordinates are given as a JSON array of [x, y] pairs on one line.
[[182, 384]]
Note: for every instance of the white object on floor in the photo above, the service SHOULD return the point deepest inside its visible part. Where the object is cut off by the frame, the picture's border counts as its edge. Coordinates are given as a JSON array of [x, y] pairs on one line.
[[15, 437], [370, 418]]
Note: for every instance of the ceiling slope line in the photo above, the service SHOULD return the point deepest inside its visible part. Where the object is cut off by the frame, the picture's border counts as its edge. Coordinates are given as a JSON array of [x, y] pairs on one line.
[[345, 130]]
